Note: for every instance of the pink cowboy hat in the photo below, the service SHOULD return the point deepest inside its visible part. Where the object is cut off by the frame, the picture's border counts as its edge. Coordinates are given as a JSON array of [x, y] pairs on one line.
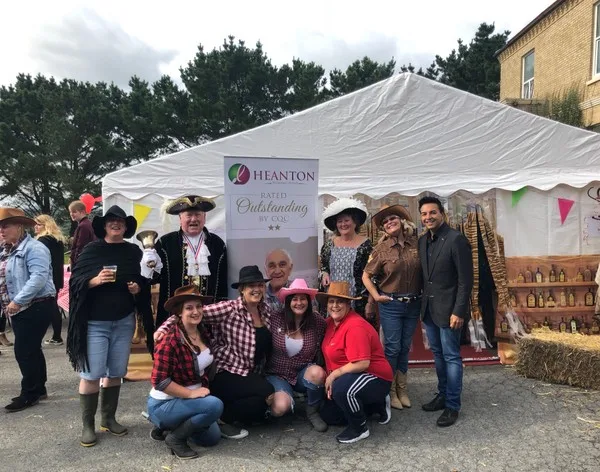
[[297, 286]]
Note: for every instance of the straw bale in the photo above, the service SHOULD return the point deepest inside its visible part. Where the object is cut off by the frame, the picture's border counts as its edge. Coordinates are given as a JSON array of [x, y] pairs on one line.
[[562, 358]]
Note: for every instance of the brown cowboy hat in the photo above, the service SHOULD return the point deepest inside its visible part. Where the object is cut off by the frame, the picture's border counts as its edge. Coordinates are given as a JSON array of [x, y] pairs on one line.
[[387, 210], [185, 293], [338, 290], [15, 216], [189, 202]]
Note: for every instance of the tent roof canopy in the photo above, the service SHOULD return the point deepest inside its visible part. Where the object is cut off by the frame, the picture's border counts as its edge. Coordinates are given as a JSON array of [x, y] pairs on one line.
[[407, 134]]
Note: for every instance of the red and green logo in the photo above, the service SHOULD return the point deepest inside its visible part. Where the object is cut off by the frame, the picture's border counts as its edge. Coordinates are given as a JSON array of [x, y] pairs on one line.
[[239, 174]]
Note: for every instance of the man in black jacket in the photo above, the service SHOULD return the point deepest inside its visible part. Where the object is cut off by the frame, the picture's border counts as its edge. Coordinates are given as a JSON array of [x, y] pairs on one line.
[[192, 255], [447, 266]]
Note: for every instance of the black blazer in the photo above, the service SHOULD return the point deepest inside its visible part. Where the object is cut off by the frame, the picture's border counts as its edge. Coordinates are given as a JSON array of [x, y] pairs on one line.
[[448, 277]]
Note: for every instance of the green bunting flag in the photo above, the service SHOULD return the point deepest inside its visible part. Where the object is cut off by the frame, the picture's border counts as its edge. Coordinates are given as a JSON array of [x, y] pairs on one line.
[[517, 194]]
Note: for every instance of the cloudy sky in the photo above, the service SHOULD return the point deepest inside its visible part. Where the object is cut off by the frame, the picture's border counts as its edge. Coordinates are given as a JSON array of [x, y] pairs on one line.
[[112, 40]]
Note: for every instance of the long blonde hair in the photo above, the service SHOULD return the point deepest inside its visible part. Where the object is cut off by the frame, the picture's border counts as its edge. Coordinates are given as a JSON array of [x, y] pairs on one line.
[[50, 228]]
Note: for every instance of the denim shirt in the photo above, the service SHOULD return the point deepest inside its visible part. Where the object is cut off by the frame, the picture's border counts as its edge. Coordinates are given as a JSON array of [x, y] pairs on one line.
[[29, 272]]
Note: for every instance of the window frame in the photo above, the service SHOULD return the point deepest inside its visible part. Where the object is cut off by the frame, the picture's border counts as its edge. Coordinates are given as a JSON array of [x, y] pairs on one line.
[[596, 45], [530, 82]]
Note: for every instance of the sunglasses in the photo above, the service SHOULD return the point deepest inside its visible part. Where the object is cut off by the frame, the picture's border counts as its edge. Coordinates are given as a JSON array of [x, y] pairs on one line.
[[388, 219]]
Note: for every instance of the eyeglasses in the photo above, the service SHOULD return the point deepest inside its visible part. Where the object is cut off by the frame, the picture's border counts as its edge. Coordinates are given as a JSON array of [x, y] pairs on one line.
[[389, 218]]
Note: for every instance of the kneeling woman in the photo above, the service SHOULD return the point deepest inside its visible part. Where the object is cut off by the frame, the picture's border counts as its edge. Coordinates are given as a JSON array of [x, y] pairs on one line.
[[297, 332], [359, 376], [241, 343], [180, 400]]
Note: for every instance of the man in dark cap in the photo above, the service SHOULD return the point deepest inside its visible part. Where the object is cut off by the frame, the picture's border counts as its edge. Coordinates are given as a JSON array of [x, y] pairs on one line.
[[191, 255]]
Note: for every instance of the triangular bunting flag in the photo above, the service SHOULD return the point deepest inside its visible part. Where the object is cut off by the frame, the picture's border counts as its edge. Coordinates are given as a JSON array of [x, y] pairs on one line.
[[517, 194], [564, 206], [140, 213]]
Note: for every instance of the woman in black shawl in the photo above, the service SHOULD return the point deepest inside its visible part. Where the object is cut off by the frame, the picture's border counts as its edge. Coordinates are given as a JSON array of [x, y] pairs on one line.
[[102, 318]]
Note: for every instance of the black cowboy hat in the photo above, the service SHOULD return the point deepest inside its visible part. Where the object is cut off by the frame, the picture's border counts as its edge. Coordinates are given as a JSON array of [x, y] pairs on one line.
[[116, 211], [189, 202], [249, 275]]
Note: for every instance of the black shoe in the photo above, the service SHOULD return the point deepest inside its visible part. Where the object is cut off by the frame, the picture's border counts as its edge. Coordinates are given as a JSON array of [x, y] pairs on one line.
[[42, 397], [350, 435], [157, 434], [21, 404], [438, 403], [385, 415], [448, 418]]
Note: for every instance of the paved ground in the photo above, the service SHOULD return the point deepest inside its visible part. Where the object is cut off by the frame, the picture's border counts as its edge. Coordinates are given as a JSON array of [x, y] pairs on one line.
[[508, 424]]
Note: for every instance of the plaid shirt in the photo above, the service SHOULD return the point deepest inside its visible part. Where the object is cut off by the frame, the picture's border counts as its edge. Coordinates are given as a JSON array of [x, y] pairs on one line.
[[174, 361], [233, 334], [288, 367]]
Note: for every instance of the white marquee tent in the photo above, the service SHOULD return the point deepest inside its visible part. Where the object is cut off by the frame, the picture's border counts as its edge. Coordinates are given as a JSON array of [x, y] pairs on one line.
[[408, 135]]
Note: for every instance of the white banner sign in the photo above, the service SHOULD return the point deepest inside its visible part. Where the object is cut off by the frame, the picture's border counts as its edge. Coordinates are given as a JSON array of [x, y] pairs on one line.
[[271, 206]]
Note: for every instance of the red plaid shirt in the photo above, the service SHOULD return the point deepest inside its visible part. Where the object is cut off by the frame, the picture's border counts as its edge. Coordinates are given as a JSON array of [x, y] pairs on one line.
[[288, 367], [174, 361], [233, 334]]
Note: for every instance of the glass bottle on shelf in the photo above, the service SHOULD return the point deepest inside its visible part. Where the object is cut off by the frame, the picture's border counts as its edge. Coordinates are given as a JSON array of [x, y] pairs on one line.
[[540, 299], [562, 327], [579, 277], [587, 275], [531, 299], [552, 277], [550, 302], [583, 329], [595, 329], [573, 324], [563, 297], [589, 297], [520, 278], [528, 276], [513, 299], [504, 325], [539, 278], [571, 297], [546, 323], [561, 276]]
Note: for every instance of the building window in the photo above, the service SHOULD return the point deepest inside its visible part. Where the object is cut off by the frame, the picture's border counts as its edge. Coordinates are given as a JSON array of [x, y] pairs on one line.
[[527, 90], [596, 69]]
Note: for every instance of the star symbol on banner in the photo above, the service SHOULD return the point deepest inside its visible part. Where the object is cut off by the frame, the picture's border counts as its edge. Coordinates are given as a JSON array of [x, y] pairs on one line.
[[270, 227], [277, 228]]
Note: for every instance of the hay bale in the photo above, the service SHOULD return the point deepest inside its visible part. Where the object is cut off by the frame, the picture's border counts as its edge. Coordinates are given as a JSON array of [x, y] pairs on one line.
[[563, 358]]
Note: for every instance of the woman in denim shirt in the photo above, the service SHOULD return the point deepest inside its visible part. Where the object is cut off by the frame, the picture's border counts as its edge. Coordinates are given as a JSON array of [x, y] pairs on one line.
[[26, 293]]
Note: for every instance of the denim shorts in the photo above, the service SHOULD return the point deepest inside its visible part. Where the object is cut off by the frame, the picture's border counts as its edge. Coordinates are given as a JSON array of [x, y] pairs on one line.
[[108, 348], [282, 385]]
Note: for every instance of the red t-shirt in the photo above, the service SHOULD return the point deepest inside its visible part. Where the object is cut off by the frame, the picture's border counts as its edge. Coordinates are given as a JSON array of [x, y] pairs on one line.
[[354, 339]]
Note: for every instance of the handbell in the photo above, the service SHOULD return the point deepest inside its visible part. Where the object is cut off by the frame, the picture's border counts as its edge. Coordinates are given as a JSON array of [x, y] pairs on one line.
[[148, 240]]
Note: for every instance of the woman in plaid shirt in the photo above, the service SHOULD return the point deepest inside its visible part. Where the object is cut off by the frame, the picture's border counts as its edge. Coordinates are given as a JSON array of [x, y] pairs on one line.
[[297, 332], [180, 400], [241, 343]]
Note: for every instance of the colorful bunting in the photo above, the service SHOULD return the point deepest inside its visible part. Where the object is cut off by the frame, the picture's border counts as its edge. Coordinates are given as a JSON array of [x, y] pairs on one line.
[[564, 206], [140, 213], [517, 195]]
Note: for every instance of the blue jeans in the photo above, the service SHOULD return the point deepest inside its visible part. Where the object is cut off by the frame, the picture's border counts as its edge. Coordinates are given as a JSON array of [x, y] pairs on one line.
[[203, 412], [445, 345], [108, 348], [398, 321], [315, 393]]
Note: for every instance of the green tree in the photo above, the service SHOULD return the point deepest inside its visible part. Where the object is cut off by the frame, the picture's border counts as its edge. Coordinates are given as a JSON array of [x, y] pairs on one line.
[[57, 140], [473, 67], [304, 85], [359, 74]]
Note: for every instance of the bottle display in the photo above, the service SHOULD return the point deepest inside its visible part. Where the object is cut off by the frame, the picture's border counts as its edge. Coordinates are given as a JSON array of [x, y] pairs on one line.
[[531, 299], [595, 329], [513, 299], [552, 277], [573, 325], [579, 277], [539, 278], [587, 275], [561, 276], [562, 327], [504, 325], [563, 297], [520, 278], [589, 298], [540, 300], [550, 302], [528, 276], [571, 298]]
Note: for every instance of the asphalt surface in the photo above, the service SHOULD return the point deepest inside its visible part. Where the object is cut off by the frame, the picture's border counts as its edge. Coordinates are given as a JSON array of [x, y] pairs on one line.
[[508, 423]]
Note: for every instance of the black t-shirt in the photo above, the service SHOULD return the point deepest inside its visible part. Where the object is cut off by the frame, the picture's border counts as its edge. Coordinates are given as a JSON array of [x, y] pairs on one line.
[[263, 344], [110, 302]]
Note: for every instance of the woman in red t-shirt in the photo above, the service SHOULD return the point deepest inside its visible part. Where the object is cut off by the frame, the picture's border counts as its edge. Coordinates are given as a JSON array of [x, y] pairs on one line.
[[358, 375]]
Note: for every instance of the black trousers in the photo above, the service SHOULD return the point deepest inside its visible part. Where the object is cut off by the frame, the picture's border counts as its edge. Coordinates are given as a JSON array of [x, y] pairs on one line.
[[2, 323], [56, 321], [243, 397], [29, 328]]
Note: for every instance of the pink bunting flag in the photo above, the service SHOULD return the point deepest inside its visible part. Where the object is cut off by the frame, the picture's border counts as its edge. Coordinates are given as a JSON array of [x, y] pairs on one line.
[[564, 206]]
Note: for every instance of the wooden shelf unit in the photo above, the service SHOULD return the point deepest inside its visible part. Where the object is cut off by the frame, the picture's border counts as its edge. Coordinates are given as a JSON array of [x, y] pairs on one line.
[[549, 284]]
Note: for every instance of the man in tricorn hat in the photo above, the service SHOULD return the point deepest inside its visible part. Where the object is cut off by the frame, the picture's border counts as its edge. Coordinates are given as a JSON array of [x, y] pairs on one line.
[[191, 255]]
